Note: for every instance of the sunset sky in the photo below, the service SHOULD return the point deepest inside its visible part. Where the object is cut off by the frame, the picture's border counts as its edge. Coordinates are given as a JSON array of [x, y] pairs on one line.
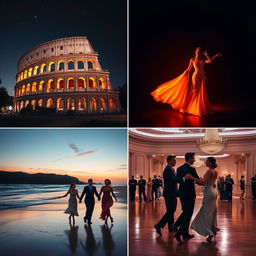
[[82, 153]]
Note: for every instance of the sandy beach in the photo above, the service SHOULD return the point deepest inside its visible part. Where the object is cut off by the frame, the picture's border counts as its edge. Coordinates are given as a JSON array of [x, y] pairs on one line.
[[43, 228]]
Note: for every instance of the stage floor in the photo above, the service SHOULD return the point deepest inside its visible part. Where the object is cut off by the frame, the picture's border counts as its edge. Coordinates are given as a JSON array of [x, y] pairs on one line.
[[237, 235]]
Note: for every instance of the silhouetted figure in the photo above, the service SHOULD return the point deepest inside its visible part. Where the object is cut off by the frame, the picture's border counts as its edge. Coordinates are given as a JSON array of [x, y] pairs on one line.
[[72, 237], [155, 187], [229, 187], [89, 191], [242, 187], [142, 185], [132, 188], [253, 181], [221, 187]]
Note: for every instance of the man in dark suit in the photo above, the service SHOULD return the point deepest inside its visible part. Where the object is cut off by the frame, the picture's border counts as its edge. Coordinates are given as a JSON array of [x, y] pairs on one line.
[[155, 187], [89, 192], [229, 187], [253, 182], [132, 188], [187, 196], [142, 185], [170, 194]]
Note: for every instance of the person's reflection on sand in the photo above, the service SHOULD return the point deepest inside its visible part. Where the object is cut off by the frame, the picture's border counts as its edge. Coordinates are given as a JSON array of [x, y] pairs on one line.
[[90, 246], [108, 243], [72, 237]]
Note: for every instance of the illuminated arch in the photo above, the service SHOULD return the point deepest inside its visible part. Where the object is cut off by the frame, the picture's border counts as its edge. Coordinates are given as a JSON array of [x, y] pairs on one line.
[[93, 104], [71, 64], [33, 87], [82, 104], [30, 72], [36, 70], [26, 102], [19, 91], [51, 66], [71, 83], [81, 83], [21, 76], [23, 89], [50, 85], [28, 88], [25, 74], [33, 104], [61, 65], [71, 104], [91, 63], [60, 84], [92, 82], [49, 103], [60, 104], [40, 103], [41, 86], [18, 78], [80, 64], [112, 105], [103, 104], [103, 83], [21, 105], [43, 68]]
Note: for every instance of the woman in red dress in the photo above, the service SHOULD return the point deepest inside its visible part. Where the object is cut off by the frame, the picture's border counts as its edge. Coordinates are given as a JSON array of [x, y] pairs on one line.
[[192, 100], [107, 201]]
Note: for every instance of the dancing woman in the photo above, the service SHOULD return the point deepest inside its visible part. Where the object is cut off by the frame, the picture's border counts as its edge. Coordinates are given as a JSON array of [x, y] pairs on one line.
[[183, 97], [107, 201]]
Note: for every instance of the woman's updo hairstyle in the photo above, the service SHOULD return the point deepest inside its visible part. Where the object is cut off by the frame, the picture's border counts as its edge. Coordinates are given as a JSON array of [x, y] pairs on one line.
[[212, 161]]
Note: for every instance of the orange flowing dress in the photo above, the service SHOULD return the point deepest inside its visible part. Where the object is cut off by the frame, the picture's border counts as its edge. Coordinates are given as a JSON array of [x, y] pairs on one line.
[[106, 202], [181, 96]]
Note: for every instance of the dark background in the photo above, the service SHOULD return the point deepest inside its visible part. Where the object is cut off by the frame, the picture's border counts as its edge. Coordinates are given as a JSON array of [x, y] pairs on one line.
[[26, 23], [163, 37]]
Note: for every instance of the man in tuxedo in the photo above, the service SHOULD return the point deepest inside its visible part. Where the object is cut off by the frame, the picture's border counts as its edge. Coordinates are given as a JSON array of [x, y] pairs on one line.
[[132, 188], [89, 192], [187, 196], [170, 194], [229, 187], [253, 182], [142, 185], [155, 187]]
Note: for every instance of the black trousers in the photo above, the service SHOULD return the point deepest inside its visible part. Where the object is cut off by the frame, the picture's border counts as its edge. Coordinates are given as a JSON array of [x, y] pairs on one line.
[[89, 210], [171, 204], [254, 192], [132, 194], [142, 193], [222, 195], [182, 223], [154, 191], [229, 195]]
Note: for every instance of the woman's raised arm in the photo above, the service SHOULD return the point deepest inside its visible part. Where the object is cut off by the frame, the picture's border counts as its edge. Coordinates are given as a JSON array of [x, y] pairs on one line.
[[211, 59]]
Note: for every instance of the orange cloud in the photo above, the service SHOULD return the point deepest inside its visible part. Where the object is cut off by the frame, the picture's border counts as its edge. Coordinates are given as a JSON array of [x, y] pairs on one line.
[[77, 155]]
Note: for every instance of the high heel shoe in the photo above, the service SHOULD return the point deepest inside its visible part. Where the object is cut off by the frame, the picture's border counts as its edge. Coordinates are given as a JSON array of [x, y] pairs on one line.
[[209, 239]]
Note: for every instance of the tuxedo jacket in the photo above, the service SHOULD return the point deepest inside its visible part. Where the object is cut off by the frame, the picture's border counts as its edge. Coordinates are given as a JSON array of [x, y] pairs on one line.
[[132, 184], [155, 183], [187, 188], [170, 182], [142, 184], [89, 194]]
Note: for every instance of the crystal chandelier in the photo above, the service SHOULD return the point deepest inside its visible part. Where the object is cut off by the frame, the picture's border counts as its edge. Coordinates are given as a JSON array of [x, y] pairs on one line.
[[211, 143], [198, 163]]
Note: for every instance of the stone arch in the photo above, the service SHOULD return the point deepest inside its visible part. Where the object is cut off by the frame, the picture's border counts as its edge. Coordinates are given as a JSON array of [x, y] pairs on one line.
[[26, 103], [49, 103], [30, 72], [93, 104], [18, 78], [71, 104], [28, 88], [82, 104], [25, 74], [43, 68], [112, 105], [80, 64], [21, 105], [91, 63], [60, 84], [60, 104], [61, 65], [71, 64], [36, 70], [92, 82], [23, 89], [33, 104], [34, 87], [41, 86], [19, 91], [102, 83], [21, 76], [71, 83], [51, 66], [81, 83], [103, 104], [50, 85], [40, 103]]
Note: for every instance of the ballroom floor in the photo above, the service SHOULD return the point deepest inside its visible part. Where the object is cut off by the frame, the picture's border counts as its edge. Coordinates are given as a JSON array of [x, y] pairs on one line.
[[237, 235]]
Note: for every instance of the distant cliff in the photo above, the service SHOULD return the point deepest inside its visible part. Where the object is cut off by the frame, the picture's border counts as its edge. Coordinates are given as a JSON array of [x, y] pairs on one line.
[[38, 178]]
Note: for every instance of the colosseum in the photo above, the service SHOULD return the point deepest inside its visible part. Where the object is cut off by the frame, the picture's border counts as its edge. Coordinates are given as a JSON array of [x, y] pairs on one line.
[[64, 74]]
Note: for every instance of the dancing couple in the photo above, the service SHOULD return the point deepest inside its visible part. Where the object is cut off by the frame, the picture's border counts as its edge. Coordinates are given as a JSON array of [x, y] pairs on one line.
[[90, 192], [205, 222]]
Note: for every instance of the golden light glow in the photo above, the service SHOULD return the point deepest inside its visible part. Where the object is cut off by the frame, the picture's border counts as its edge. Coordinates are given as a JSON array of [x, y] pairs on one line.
[[33, 87], [50, 85], [25, 74], [93, 104], [81, 83], [36, 68], [49, 103], [30, 72], [51, 66], [28, 88], [43, 68], [40, 103], [60, 104], [91, 63], [60, 84], [82, 104], [92, 82], [102, 83], [41, 86], [71, 83], [112, 105]]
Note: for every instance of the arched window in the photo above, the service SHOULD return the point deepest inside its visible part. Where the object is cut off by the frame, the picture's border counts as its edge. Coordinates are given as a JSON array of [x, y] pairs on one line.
[[49, 103], [23, 90], [112, 105], [103, 83], [71, 104], [51, 66], [71, 64], [33, 104], [40, 103], [91, 64], [80, 64], [41, 86], [36, 70], [20, 91], [28, 88], [21, 105], [21, 76], [61, 65], [103, 104], [82, 104], [33, 87], [43, 68], [60, 104], [60, 84], [93, 104], [30, 72], [92, 82], [81, 83], [18, 78], [25, 74], [26, 102], [71, 84], [50, 85]]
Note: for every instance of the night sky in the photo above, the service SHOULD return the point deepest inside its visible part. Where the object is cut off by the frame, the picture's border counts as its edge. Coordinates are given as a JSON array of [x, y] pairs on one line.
[[25, 24], [163, 38]]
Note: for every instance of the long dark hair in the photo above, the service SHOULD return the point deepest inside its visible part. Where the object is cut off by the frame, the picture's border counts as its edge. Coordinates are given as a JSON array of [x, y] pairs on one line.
[[212, 161], [72, 184], [200, 55]]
